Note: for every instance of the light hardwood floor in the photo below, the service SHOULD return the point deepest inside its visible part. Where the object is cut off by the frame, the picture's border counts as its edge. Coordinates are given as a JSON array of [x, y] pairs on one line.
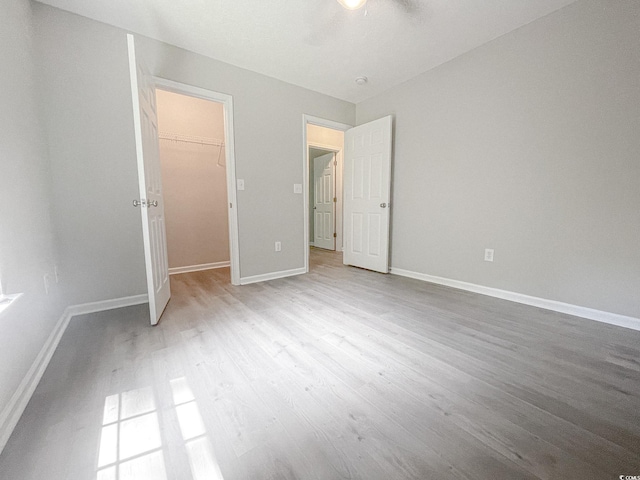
[[338, 374]]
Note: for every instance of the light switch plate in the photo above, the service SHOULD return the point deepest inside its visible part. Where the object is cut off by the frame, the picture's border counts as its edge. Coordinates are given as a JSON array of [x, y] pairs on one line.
[[240, 184], [297, 188]]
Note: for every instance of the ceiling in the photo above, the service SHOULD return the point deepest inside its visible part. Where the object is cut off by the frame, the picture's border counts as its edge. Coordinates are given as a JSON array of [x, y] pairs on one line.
[[317, 44], [316, 152]]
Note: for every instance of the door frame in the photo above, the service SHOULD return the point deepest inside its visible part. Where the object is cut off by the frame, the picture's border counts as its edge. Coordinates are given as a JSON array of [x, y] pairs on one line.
[[334, 168], [320, 122], [230, 160]]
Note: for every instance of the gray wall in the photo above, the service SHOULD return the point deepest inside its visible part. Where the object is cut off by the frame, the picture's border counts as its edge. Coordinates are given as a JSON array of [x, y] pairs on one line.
[[27, 250], [86, 101], [268, 147], [89, 123], [194, 181], [529, 145]]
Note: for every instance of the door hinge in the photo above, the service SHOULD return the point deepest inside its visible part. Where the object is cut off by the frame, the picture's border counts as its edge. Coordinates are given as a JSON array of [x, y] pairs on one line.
[[335, 199], [334, 235], [335, 162]]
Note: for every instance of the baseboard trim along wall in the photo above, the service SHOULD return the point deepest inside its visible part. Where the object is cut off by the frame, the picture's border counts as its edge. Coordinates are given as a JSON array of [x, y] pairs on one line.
[[13, 411], [271, 276], [584, 312], [102, 305], [11, 414], [198, 268]]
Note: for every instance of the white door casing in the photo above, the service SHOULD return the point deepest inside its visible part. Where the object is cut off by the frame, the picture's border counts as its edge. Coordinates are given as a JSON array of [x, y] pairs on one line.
[[150, 183], [367, 195], [230, 159], [306, 166], [324, 205]]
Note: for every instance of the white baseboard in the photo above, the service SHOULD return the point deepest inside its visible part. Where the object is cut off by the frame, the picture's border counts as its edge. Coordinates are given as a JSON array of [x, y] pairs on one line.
[[198, 268], [585, 312], [11, 414], [271, 276], [103, 305]]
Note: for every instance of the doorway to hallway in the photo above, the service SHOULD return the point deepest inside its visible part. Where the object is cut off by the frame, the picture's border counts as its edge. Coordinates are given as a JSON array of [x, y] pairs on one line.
[[323, 163]]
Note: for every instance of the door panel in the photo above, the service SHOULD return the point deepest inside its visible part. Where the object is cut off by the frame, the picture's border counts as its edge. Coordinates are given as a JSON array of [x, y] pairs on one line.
[[324, 205], [150, 184], [367, 193]]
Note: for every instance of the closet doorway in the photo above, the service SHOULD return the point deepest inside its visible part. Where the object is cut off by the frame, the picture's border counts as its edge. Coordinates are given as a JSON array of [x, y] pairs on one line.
[[194, 159]]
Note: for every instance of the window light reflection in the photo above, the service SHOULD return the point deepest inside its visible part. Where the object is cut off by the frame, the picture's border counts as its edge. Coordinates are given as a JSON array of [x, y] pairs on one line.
[[130, 442], [202, 461]]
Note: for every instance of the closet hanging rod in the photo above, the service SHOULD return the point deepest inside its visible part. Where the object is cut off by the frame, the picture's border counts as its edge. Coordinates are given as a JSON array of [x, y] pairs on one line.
[[190, 139]]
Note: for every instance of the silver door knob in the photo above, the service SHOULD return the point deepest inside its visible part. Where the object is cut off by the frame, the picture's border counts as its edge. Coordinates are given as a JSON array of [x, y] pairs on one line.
[[383, 205], [145, 203]]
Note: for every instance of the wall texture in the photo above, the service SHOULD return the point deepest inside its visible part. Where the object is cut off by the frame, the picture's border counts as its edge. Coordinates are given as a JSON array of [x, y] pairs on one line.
[[86, 96], [528, 145], [27, 250], [193, 181]]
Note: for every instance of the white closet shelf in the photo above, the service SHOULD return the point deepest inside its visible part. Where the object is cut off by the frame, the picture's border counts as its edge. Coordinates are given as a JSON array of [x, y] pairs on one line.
[[176, 137]]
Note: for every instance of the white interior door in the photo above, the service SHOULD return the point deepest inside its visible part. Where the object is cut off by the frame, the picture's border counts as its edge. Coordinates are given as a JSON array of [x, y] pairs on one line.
[[145, 121], [324, 202], [367, 193]]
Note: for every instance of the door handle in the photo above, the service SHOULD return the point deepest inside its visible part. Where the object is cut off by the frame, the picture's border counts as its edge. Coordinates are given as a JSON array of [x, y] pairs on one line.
[[383, 205], [315, 208], [145, 203]]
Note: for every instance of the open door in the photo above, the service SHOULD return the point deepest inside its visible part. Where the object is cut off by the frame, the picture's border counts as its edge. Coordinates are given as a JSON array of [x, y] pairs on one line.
[[145, 122], [367, 195], [324, 201]]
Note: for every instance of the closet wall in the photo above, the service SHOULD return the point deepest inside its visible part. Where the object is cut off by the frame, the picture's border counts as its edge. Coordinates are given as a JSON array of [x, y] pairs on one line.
[[194, 180]]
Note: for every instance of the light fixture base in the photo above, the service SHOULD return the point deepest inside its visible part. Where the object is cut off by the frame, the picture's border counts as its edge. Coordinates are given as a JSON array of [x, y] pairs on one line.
[[352, 4]]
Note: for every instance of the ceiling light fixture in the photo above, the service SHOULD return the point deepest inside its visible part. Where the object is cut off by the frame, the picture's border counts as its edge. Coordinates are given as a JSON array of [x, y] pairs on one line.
[[352, 4], [362, 80]]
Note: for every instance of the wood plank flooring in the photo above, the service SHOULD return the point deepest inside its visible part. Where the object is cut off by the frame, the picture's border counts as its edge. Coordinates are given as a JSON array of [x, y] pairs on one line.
[[338, 374]]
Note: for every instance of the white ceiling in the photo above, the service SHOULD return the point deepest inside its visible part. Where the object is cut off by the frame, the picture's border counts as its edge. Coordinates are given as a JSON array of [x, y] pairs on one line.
[[317, 44]]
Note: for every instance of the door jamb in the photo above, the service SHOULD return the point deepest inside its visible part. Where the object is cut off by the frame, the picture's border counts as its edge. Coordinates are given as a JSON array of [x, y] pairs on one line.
[[230, 159], [321, 122]]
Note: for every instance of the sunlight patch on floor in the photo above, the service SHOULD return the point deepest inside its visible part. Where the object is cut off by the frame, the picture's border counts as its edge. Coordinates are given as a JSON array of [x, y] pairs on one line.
[[202, 461], [130, 441]]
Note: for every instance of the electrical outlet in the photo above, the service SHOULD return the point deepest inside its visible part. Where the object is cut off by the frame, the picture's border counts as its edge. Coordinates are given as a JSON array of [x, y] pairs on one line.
[[47, 283], [278, 246], [488, 254]]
